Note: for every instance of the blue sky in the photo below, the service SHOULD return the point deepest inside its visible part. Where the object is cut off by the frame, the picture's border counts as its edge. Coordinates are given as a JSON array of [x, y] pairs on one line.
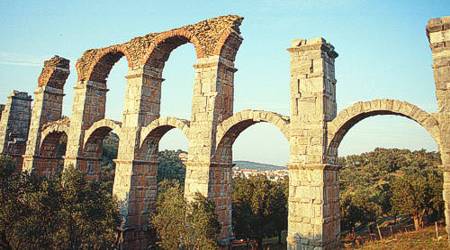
[[383, 51]]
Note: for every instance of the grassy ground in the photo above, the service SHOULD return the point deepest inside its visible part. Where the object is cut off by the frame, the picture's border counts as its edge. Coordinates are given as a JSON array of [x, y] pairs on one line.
[[268, 243], [423, 239]]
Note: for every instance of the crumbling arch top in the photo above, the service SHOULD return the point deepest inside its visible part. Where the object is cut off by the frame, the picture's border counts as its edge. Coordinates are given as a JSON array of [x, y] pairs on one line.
[[210, 37], [58, 126], [350, 116], [55, 73], [96, 64]]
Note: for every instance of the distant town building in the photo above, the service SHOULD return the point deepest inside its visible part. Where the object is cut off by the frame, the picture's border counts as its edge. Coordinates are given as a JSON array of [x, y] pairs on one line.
[[273, 175]]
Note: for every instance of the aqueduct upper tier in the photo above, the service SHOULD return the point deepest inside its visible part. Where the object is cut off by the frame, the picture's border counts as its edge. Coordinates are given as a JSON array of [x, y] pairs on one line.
[[314, 129], [213, 37]]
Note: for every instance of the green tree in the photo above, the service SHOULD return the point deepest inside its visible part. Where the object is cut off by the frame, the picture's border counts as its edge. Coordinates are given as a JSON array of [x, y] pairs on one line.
[[170, 166], [90, 215], [184, 225], [366, 182], [110, 147], [358, 207], [202, 223], [169, 220], [64, 212], [278, 206], [417, 193], [29, 216], [259, 208]]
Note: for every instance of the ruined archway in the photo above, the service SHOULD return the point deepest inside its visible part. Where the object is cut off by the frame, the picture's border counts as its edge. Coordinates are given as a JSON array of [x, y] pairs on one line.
[[313, 130], [164, 43], [229, 130], [179, 80], [89, 104], [146, 163], [47, 109], [93, 69], [95, 64], [350, 116], [52, 148], [157, 129], [215, 42], [102, 134], [152, 134], [221, 167]]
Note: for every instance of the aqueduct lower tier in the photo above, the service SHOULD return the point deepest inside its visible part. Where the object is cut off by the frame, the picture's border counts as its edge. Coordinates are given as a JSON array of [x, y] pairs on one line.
[[314, 129]]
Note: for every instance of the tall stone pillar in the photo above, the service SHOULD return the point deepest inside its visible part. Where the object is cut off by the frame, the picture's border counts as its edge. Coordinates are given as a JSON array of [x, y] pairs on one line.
[[47, 106], [438, 32], [313, 220], [14, 125], [135, 182], [212, 103], [87, 108]]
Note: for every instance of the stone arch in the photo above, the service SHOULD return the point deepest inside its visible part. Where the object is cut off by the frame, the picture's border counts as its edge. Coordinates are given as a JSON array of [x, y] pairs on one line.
[[52, 148], [100, 129], [58, 126], [96, 64], [350, 116], [154, 59], [93, 69], [229, 129], [92, 149], [216, 36], [164, 43], [152, 134], [228, 45]]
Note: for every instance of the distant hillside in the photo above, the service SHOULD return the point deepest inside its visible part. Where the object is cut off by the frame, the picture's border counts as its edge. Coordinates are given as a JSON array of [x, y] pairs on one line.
[[257, 165]]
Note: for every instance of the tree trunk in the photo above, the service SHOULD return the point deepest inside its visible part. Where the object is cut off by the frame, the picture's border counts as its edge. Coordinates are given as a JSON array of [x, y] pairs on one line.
[[418, 221], [260, 243]]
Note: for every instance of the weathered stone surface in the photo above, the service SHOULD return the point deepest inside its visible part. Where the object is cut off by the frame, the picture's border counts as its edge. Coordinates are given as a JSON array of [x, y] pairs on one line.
[[47, 108], [313, 219], [213, 37], [54, 73], [438, 32], [14, 125]]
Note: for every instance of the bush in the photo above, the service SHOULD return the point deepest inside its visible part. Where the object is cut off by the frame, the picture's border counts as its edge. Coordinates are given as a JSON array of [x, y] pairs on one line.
[[63, 212]]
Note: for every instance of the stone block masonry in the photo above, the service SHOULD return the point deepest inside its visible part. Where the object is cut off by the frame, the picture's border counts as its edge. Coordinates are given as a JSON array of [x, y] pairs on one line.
[[314, 128], [438, 33], [14, 124], [45, 148]]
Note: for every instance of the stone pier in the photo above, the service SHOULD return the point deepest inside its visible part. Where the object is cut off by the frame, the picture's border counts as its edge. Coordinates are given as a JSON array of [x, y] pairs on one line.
[[47, 108], [14, 124], [313, 220], [438, 33]]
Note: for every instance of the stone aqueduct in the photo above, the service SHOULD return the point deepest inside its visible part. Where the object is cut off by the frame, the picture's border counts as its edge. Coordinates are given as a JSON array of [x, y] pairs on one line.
[[314, 129]]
